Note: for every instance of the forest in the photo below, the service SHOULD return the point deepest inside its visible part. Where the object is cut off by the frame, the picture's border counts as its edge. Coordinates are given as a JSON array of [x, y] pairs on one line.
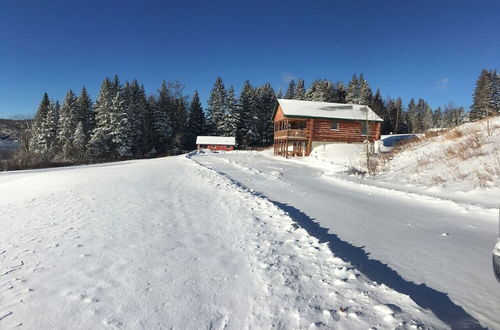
[[125, 122]]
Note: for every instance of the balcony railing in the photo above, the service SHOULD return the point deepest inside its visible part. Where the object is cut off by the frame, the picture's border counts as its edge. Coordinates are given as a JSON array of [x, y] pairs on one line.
[[290, 133]]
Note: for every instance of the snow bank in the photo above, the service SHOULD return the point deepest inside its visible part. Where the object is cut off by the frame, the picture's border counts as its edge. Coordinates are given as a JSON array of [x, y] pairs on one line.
[[462, 163]]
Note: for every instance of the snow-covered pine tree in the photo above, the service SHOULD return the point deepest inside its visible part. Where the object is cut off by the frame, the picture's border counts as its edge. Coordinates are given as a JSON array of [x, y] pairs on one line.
[[437, 118], [247, 129], [52, 126], [290, 92], [68, 120], [266, 102], [321, 90], [340, 93], [85, 115], [495, 78], [300, 90], [196, 121], [136, 103], [121, 128], [162, 128], [352, 95], [279, 94], [483, 102], [217, 107], [179, 121], [99, 145], [364, 91], [79, 142], [377, 105], [413, 117], [40, 140], [232, 117]]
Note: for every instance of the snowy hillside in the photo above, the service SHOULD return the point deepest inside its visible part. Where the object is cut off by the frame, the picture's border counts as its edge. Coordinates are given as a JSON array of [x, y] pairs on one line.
[[462, 163], [170, 243]]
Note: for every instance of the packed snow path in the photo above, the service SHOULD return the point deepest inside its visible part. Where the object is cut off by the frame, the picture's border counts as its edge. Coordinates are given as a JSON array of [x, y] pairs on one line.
[[168, 243], [436, 251]]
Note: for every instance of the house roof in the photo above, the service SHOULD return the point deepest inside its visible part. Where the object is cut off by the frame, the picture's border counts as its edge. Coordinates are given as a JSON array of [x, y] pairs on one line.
[[219, 140], [311, 109]]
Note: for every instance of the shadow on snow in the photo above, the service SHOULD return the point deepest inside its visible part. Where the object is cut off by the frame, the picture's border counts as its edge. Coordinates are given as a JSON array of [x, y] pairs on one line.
[[426, 297]]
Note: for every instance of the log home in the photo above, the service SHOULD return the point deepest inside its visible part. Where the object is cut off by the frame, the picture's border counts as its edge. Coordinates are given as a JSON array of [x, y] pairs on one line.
[[299, 126]]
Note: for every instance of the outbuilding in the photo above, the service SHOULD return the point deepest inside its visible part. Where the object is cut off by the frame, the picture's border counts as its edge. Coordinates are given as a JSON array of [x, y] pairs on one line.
[[225, 143], [299, 126]]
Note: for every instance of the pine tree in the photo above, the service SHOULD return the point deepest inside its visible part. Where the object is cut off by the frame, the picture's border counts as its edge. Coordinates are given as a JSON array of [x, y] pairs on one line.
[[340, 93], [68, 120], [364, 91], [162, 128], [232, 117], [121, 128], [217, 107], [79, 142], [413, 122], [300, 90], [99, 145], [40, 135], [483, 98], [247, 129], [437, 118], [85, 114], [321, 91], [136, 103], [196, 121], [290, 92], [352, 95], [266, 102]]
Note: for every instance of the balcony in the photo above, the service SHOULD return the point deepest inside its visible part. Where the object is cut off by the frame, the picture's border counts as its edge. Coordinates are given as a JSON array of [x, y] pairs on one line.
[[291, 134]]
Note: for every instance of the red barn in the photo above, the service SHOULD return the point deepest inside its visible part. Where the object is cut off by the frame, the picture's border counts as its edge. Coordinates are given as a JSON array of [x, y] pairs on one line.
[[299, 126], [225, 143]]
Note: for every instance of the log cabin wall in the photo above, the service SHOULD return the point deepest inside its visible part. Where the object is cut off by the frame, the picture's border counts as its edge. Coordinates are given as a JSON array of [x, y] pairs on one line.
[[348, 131]]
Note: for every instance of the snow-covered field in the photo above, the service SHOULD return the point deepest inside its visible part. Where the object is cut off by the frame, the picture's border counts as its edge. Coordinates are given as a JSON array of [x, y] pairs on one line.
[[435, 250], [170, 243]]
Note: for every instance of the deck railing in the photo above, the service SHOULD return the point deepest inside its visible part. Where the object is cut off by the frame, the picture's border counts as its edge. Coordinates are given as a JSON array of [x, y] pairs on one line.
[[300, 133]]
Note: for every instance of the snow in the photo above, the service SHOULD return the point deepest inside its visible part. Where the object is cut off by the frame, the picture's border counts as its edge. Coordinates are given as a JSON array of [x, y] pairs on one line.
[[299, 108], [172, 243], [219, 140], [496, 250], [435, 250]]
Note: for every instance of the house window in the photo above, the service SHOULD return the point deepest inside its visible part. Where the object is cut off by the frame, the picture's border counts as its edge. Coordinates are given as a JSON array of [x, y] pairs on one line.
[[364, 129], [335, 125]]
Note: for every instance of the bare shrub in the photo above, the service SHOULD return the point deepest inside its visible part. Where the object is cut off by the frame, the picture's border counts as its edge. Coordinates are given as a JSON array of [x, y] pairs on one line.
[[483, 179], [438, 180], [454, 134]]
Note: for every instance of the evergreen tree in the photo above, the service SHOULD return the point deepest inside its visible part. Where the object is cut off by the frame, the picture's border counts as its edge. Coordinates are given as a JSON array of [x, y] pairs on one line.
[[352, 95], [217, 107], [437, 118], [99, 145], [40, 135], [300, 90], [196, 121], [162, 128], [85, 114], [79, 142], [413, 124], [321, 91], [290, 92], [247, 129], [136, 103], [364, 91], [68, 120], [378, 106], [121, 128], [232, 116], [340, 93], [484, 96], [266, 102]]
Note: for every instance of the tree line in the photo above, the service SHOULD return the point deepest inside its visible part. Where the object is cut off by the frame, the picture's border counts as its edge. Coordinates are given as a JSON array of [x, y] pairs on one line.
[[125, 122]]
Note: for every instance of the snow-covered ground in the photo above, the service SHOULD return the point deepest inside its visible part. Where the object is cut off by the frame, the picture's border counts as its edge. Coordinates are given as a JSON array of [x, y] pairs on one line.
[[170, 243], [436, 251]]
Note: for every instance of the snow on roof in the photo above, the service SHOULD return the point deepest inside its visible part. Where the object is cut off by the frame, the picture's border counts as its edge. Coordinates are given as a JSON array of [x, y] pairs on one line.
[[224, 140], [299, 108]]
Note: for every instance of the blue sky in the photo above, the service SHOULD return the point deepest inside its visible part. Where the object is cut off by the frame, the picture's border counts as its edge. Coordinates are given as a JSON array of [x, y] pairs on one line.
[[429, 49]]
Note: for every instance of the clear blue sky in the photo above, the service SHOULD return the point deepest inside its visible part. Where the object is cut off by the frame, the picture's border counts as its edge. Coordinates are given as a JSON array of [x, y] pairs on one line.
[[430, 49]]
